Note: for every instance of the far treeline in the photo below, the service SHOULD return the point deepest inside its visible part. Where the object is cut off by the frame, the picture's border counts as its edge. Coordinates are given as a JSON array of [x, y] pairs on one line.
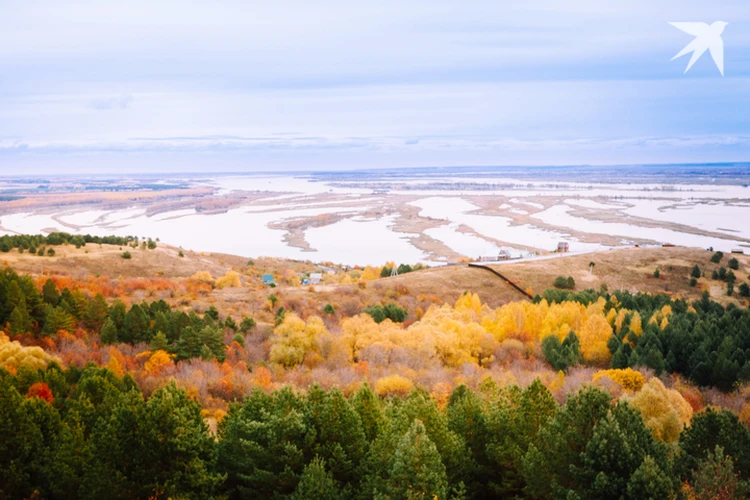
[[31, 243], [86, 433]]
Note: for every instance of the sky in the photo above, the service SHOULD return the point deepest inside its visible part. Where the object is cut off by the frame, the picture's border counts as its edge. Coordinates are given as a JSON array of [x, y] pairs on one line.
[[160, 86]]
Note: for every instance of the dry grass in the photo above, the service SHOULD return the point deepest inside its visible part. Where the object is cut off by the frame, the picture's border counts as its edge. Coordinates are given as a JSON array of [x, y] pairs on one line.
[[94, 259], [631, 269], [623, 269]]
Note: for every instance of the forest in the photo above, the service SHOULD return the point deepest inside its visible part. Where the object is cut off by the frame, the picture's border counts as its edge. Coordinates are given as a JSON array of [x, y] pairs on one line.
[[588, 394], [87, 433]]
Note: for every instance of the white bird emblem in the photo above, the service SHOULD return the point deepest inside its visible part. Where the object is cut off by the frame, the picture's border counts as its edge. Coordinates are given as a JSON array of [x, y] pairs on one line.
[[706, 38]]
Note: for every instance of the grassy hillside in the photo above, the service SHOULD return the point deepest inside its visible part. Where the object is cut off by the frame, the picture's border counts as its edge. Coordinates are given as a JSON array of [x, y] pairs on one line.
[[630, 269]]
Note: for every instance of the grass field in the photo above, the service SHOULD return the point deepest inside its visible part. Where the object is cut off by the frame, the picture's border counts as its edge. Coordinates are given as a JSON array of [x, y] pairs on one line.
[[629, 269]]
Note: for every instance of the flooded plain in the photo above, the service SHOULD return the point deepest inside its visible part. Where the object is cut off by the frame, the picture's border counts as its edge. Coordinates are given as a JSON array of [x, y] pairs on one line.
[[412, 219]]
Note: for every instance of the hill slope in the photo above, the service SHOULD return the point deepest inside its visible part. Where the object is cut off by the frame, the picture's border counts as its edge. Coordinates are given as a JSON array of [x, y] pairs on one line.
[[629, 269]]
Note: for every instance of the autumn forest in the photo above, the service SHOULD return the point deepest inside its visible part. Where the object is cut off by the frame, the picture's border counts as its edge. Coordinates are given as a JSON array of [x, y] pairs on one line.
[[217, 385]]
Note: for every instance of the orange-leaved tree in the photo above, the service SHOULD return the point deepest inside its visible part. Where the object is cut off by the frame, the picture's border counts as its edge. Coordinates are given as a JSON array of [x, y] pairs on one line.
[[40, 390]]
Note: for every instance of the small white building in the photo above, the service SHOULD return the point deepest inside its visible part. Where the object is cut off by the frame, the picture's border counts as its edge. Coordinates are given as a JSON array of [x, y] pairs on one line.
[[315, 278], [502, 255]]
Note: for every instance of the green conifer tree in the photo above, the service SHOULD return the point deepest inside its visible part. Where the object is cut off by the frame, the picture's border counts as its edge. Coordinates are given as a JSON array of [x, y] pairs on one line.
[[95, 312], [159, 342], [650, 482], [19, 320], [50, 294], [57, 319], [109, 333], [316, 482], [418, 471]]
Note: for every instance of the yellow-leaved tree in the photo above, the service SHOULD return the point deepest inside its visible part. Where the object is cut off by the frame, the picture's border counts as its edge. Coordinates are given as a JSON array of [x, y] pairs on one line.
[[393, 385], [294, 338], [445, 332], [664, 410], [370, 273], [203, 277], [229, 280], [358, 332], [628, 379], [116, 362], [470, 307], [636, 324], [159, 362], [593, 337], [13, 355]]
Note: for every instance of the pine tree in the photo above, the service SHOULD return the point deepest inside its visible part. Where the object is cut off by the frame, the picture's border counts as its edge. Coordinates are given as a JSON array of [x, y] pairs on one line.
[[159, 342], [158, 448], [230, 323], [213, 340], [715, 477], [55, 320], [618, 446], [117, 313], [161, 323], [316, 482], [696, 272], [49, 293], [467, 418], [21, 446], [135, 327], [247, 324], [109, 333], [69, 456], [562, 355], [73, 302], [712, 428], [95, 312], [339, 437], [650, 482], [262, 445], [548, 467], [370, 409], [19, 320], [189, 344], [212, 313], [16, 297], [418, 471], [514, 426]]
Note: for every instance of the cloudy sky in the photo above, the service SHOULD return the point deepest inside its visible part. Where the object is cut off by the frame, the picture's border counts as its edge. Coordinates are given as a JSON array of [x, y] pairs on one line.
[[268, 85]]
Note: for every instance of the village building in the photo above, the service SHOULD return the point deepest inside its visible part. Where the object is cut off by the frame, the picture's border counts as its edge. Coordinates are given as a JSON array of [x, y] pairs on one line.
[[268, 279], [502, 255]]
